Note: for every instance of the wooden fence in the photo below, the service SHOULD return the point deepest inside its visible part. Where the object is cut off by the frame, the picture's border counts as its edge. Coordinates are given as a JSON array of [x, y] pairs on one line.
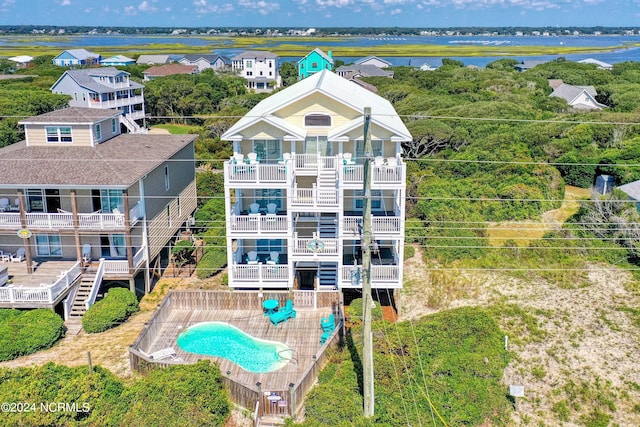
[[291, 400]]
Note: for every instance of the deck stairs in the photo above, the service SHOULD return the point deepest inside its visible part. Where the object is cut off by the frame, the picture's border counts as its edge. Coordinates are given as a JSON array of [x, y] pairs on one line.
[[131, 125], [327, 179], [79, 306], [327, 275]]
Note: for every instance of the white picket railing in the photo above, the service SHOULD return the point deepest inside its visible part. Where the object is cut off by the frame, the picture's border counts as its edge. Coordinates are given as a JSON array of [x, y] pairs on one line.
[[352, 225], [354, 174], [91, 298], [258, 173], [383, 274], [306, 161], [118, 266], [86, 221], [42, 293], [325, 247], [313, 198], [258, 223], [277, 274]]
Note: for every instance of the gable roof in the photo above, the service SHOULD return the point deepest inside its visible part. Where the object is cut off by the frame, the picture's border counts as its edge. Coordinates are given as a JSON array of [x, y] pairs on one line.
[[600, 64], [118, 58], [80, 54], [210, 58], [631, 189], [571, 93], [120, 161], [324, 56], [364, 70], [22, 59], [369, 58], [257, 54], [334, 87], [529, 63], [170, 69], [153, 59], [84, 78]]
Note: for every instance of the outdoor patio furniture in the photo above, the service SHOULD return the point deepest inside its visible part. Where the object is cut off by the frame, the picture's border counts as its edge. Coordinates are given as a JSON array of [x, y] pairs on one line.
[[86, 255], [254, 208], [324, 337], [270, 306], [252, 256], [328, 324], [272, 208], [4, 204], [274, 256], [165, 353], [283, 314], [19, 256]]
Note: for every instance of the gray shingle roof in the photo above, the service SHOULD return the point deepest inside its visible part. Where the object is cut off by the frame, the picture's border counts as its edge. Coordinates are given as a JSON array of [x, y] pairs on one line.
[[72, 115], [84, 78], [364, 70], [120, 162], [152, 59], [257, 54]]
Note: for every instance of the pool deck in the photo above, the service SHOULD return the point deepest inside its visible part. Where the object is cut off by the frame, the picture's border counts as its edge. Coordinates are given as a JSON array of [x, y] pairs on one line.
[[302, 334]]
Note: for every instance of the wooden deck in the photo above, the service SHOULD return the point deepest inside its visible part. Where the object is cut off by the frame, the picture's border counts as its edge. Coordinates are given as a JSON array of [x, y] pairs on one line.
[[301, 334]]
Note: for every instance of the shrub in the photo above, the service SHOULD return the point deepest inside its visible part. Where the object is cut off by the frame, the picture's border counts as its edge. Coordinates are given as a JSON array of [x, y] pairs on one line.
[[354, 311], [23, 333], [213, 260], [115, 308]]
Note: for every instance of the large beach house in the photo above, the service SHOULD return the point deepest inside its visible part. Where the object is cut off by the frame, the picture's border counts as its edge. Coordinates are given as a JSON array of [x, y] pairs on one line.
[[82, 204], [294, 189]]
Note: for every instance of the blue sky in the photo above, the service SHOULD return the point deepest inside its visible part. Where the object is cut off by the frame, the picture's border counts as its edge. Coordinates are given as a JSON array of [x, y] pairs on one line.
[[321, 13]]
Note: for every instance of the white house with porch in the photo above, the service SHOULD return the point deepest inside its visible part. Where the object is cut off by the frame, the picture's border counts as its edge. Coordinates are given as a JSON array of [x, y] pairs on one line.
[[294, 189]]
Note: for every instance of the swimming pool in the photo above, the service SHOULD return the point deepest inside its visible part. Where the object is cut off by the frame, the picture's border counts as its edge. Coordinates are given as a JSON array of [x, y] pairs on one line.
[[224, 340]]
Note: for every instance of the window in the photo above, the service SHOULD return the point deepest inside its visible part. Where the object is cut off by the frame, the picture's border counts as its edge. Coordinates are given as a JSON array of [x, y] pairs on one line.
[[268, 150], [35, 201], [376, 200], [318, 145], [269, 245], [314, 65], [167, 182], [84, 96], [249, 64], [110, 200], [117, 247], [48, 246], [113, 126], [265, 196], [168, 216], [98, 132], [376, 146], [179, 207], [249, 73], [58, 134], [317, 120], [260, 72]]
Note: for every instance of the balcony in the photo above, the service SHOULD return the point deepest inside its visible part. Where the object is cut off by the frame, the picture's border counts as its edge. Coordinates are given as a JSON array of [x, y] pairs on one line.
[[252, 174], [116, 103], [260, 275], [258, 223], [64, 220], [381, 226], [382, 276], [314, 198], [314, 248], [393, 176]]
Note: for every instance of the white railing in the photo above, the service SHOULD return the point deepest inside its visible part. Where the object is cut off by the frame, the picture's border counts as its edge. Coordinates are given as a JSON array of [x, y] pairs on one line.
[[383, 274], [115, 103], [43, 293], [86, 221], [354, 174], [91, 298], [139, 257], [313, 198], [261, 223], [328, 162], [257, 173], [306, 247], [261, 273], [4, 276], [121, 266], [352, 225], [306, 161]]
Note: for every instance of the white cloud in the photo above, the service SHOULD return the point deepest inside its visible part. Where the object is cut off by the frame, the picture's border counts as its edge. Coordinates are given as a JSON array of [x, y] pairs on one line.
[[6, 4], [202, 6], [146, 7], [396, 11], [130, 10], [261, 6], [65, 3]]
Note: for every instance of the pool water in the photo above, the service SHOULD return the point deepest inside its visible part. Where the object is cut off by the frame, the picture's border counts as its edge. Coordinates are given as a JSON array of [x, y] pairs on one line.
[[224, 340]]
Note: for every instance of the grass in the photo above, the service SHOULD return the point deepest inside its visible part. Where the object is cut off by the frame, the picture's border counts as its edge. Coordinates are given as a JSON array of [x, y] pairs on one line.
[[523, 232], [178, 129]]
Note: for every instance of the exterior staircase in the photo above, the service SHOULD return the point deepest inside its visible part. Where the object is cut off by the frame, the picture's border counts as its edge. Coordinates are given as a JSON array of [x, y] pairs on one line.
[[328, 275], [327, 179], [131, 125], [79, 307]]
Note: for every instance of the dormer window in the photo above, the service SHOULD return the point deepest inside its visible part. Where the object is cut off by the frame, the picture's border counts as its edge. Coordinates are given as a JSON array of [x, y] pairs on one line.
[[58, 134], [317, 120]]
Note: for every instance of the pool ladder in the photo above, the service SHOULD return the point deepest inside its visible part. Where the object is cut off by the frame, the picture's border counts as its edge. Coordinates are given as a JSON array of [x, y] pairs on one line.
[[290, 359]]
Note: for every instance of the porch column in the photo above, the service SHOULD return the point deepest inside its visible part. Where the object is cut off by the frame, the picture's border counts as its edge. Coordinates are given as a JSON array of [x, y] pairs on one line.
[[76, 225], [127, 238], [23, 224]]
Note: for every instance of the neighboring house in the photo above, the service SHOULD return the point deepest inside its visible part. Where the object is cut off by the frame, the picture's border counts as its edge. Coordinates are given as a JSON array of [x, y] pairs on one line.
[[22, 61], [77, 57], [96, 205], [632, 190], [578, 97], [601, 65], [527, 64], [259, 69], [168, 70], [203, 62], [117, 60], [375, 61], [153, 59], [295, 220], [313, 62], [427, 67], [357, 71], [104, 88]]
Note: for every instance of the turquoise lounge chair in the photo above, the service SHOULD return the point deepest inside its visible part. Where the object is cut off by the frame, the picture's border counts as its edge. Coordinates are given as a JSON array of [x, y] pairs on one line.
[[328, 324], [283, 314]]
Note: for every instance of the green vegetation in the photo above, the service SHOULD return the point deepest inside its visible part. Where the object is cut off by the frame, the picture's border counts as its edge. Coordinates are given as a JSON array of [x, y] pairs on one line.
[[25, 332], [454, 359], [113, 309], [176, 396]]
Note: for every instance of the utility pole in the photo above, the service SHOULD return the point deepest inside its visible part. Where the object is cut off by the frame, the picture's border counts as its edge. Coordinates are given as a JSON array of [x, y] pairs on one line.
[[367, 339]]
